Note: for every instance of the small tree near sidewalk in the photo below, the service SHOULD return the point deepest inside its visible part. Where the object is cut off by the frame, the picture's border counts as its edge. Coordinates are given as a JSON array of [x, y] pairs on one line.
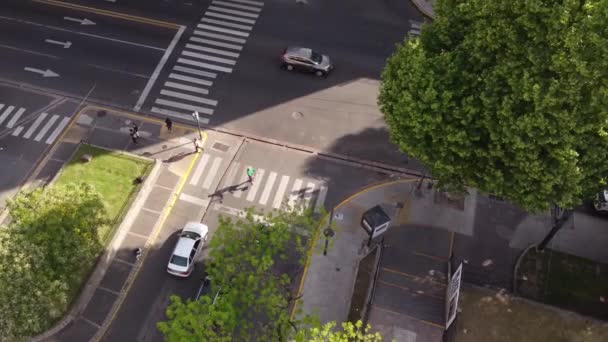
[[350, 332], [51, 241], [249, 259]]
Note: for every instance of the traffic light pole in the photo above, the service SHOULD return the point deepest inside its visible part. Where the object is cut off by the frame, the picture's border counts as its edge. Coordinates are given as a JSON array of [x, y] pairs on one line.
[[200, 134]]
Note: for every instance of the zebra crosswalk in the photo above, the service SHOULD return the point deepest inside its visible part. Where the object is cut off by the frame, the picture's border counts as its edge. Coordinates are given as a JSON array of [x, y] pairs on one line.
[[212, 49], [269, 188], [45, 128], [414, 28]]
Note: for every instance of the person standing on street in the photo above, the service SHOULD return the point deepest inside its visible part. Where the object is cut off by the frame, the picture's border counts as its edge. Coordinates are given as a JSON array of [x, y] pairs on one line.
[[169, 124], [134, 135], [197, 145], [250, 174]]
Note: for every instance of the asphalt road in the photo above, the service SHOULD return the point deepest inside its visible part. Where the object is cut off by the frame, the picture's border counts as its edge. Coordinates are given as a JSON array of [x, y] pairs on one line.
[[106, 59]]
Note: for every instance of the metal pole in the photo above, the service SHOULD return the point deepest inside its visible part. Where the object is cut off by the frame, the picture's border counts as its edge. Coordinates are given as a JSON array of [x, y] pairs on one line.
[[558, 223], [198, 124]]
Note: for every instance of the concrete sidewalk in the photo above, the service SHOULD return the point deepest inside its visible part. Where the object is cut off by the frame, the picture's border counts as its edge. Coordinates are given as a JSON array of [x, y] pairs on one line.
[[117, 266], [429, 228]]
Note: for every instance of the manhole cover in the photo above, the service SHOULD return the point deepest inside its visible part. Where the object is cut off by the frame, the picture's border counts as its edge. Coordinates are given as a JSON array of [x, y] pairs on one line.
[[297, 115], [220, 147]]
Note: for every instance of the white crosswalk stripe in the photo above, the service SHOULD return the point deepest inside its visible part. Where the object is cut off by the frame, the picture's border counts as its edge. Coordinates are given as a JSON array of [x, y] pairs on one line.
[[216, 43], [208, 57], [57, 130], [229, 17], [241, 13], [196, 176], [219, 36], [185, 106], [310, 188], [295, 193], [190, 79], [212, 50], [242, 180], [204, 65], [256, 3], [231, 174], [229, 4], [212, 172], [194, 71], [34, 126], [268, 188], [15, 117], [227, 24], [17, 131], [320, 199], [186, 87], [223, 30], [46, 127], [6, 113], [188, 97], [278, 198]]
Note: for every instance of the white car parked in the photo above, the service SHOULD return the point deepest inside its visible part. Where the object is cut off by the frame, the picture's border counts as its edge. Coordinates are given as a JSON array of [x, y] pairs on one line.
[[191, 240]]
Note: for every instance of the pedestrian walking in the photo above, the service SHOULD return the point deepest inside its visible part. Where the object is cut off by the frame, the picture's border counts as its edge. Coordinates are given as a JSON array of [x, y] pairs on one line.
[[169, 124], [135, 128], [197, 145], [250, 174], [134, 135]]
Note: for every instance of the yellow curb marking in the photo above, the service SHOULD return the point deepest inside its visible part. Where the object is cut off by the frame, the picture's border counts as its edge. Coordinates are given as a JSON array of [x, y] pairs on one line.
[[113, 14], [410, 317], [143, 118], [316, 234], [153, 239]]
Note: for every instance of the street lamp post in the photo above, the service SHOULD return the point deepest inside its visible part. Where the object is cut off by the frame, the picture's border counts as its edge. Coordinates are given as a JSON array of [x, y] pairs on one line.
[[200, 134]]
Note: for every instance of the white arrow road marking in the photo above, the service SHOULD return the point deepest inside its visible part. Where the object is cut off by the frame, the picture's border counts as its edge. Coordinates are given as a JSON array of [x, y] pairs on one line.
[[66, 45], [83, 21], [44, 73]]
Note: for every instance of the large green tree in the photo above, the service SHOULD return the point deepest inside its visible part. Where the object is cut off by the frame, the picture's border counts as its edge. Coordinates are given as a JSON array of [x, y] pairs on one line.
[[509, 97], [349, 332], [49, 244], [247, 260]]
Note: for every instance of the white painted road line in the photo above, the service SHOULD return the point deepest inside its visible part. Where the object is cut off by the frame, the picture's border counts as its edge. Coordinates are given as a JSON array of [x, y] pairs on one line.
[[223, 30], [204, 65], [249, 2], [34, 126], [231, 174], [259, 176], [214, 43], [294, 195], [242, 181], [212, 172], [57, 130], [6, 113], [15, 117], [157, 70], [188, 97], [186, 87], [241, 13], [278, 197], [212, 50], [194, 200], [321, 199], [184, 106], [196, 176], [229, 4], [219, 22], [195, 71], [220, 36], [190, 79], [209, 58], [175, 114], [229, 17], [46, 127], [310, 188], [17, 131], [268, 188]]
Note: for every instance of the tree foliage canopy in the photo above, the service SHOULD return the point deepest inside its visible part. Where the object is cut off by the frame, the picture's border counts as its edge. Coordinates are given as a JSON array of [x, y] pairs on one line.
[[51, 239], [510, 97], [327, 333], [251, 261]]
